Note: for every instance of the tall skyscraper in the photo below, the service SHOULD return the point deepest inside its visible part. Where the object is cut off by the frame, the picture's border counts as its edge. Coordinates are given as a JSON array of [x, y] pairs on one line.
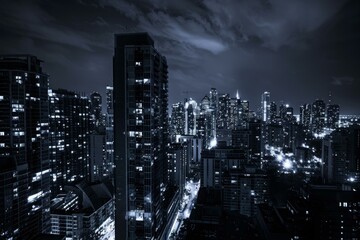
[[214, 102], [69, 132], [95, 110], [190, 117], [234, 113], [24, 148], [265, 107], [273, 112], [109, 133], [141, 137], [244, 114], [318, 115], [332, 116], [223, 111], [177, 119], [305, 115]]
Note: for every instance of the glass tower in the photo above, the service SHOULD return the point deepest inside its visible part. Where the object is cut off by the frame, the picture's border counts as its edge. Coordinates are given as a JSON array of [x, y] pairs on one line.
[[24, 148], [141, 137]]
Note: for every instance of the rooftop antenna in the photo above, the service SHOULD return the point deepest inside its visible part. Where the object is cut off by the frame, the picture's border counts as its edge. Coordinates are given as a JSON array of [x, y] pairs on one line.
[[329, 97]]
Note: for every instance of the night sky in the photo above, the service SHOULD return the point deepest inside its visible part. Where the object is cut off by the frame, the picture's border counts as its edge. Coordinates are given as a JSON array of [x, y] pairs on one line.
[[299, 50]]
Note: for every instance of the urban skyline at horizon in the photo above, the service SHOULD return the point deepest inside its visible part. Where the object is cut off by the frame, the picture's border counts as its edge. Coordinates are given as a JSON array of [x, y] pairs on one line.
[[158, 120]]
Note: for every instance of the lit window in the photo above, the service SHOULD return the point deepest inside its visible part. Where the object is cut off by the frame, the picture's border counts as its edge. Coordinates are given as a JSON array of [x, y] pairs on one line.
[[137, 63]]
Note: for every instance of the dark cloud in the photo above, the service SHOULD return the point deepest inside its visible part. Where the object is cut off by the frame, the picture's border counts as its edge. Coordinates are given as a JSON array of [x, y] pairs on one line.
[[291, 48], [339, 81]]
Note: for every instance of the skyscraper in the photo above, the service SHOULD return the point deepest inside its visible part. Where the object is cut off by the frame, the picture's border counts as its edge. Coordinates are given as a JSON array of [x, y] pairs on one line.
[[223, 111], [95, 110], [214, 102], [318, 116], [177, 119], [265, 107], [69, 132], [333, 116], [24, 148], [305, 115], [190, 117], [109, 133], [141, 137]]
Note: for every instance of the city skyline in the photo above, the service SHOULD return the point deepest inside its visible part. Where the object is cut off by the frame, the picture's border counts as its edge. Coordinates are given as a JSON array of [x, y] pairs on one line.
[[299, 52]]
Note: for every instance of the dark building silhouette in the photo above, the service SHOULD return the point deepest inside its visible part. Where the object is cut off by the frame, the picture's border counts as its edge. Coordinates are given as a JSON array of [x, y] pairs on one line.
[[305, 115], [141, 138], [95, 111], [109, 132], [333, 116], [177, 119], [318, 116], [24, 148]]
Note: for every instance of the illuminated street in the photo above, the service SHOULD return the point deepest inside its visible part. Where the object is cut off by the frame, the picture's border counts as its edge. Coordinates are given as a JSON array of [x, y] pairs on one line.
[[187, 204]]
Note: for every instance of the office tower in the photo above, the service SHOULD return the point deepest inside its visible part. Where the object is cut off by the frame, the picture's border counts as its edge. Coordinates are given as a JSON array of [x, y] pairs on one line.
[[141, 129], [223, 111], [98, 168], [234, 113], [95, 111], [335, 157], [286, 114], [177, 119], [178, 156], [333, 116], [318, 116], [190, 117], [341, 155], [109, 132], [305, 115], [213, 103], [255, 139], [265, 107], [244, 189], [244, 114], [205, 121], [273, 112], [69, 130], [24, 148]]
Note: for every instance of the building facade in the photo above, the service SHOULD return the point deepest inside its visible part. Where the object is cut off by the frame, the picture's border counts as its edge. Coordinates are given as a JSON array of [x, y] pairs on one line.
[[141, 136], [24, 148]]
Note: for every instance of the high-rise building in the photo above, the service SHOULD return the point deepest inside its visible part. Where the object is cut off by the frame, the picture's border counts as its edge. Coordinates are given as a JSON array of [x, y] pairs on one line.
[[214, 102], [273, 112], [177, 119], [234, 113], [24, 148], [286, 113], [341, 155], [305, 115], [318, 116], [265, 107], [109, 132], [190, 117], [141, 138], [98, 167], [333, 116], [69, 132], [95, 110], [244, 114], [223, 111]]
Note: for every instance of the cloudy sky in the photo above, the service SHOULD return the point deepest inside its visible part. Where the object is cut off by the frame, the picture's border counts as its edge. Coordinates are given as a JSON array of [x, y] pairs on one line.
[[299, 50]]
